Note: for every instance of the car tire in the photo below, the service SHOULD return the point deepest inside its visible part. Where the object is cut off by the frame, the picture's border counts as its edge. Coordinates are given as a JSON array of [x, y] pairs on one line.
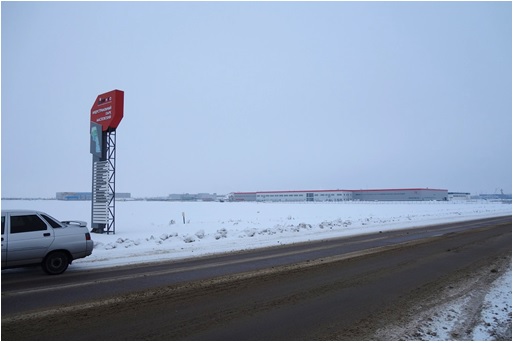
[[56, 263]]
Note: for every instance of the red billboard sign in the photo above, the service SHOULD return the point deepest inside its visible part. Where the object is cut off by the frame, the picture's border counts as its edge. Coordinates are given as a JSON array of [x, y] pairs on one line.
[[107, 109]]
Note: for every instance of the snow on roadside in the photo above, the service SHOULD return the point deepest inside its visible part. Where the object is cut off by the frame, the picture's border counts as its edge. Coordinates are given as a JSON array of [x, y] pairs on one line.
[[475, 308], [149, 231], [480, 315], [495, 321]]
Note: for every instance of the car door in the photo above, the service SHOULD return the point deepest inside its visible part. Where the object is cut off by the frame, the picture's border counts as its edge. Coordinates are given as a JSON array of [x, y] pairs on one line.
[[29, 239], [4, 243]]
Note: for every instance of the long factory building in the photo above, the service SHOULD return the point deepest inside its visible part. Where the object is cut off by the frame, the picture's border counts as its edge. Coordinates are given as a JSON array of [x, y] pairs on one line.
[[338, 195]]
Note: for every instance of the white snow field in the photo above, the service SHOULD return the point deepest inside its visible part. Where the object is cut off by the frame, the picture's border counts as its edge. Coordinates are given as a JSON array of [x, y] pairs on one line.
[[149, 231]]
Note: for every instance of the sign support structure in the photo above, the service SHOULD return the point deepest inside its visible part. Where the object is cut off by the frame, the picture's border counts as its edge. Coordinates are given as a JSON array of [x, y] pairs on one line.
[[106, 114], [111, 159]]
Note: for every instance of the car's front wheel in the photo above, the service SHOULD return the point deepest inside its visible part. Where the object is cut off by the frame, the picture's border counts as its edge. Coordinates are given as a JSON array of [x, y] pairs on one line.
[[56, 263]]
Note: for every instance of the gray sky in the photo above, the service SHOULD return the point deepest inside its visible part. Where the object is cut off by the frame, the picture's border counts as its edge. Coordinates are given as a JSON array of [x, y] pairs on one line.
[[223, 97]]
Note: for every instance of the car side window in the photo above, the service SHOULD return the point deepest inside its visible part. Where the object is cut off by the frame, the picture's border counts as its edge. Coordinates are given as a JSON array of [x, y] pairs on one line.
[[3, 224], [51, 221], [27, 223]]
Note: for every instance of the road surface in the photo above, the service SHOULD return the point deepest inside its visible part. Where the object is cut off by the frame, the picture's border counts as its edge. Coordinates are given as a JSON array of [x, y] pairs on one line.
[[336, 289]]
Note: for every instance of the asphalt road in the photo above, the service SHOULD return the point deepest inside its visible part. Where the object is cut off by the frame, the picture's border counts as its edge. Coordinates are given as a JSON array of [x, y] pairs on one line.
[[321, 290]]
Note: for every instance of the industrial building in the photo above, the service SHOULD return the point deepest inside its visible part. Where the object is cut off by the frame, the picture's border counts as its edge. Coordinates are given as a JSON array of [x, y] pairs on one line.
[[242, 196], [455, 196], [405, 194], [327, 195], [192, 197], [85, 196], [337, 195]]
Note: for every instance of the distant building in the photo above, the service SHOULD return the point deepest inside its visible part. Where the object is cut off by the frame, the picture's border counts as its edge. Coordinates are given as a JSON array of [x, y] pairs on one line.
[[85, 196], [454, 196], [327, 195], [336, 195], [242, 196], [401, 194], [193, 197], [500, 196]]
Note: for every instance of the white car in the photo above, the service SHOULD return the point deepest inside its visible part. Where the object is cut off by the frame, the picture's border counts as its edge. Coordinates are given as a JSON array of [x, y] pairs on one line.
[[34, 237]]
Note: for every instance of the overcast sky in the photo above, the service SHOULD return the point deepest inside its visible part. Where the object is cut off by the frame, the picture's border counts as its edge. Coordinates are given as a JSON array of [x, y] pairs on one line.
[[223, 97]]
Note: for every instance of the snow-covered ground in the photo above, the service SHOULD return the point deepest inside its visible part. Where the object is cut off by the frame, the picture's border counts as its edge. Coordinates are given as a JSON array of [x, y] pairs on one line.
[[475, 308], [496, 313], [155, 231]]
